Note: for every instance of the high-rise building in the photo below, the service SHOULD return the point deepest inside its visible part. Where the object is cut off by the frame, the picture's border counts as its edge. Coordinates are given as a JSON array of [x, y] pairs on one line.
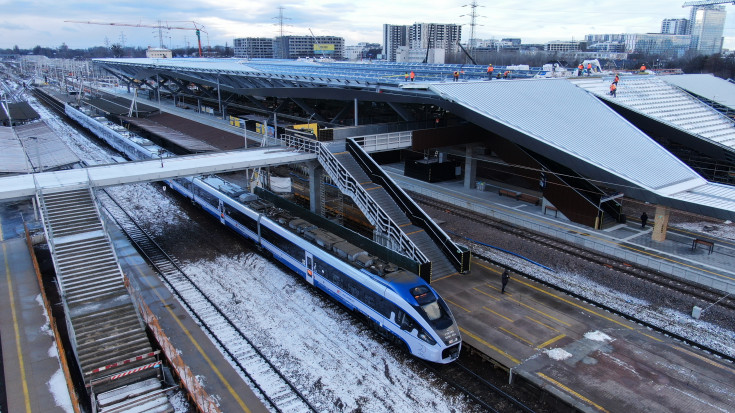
[[293, 47], [253, 47], [706, 24], [674, 26], [393, 37], [435, 36], [658, 44]]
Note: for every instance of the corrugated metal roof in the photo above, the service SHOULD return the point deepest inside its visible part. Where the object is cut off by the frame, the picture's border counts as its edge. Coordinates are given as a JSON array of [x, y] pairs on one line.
[[706, 86], [12, 156], [570, 119], [666, 103], [713, 195], [44, 148]]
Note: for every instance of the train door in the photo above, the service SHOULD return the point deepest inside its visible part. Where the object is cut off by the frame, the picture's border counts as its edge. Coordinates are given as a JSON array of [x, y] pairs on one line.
[[221, 209], [309, 267]]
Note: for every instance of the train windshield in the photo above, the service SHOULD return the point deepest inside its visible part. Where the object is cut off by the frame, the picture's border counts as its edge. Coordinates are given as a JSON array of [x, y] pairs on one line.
[[431, 308]]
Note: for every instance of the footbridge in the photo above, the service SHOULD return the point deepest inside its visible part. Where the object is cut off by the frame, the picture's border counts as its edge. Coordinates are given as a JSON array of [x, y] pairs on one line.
[[19, 186]]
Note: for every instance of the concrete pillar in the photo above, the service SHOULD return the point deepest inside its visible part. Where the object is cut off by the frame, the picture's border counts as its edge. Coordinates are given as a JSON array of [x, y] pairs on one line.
[[661, 223], [315, 188], [355, 111], [199, 105], [470, 167]]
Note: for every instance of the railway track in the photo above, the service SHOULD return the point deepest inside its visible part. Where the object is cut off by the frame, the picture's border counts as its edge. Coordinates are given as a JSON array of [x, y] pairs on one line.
[[659, 279], [276, 390], [481, 391]]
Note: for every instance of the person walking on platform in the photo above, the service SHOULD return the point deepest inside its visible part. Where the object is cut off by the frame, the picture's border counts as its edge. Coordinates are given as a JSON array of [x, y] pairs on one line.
[[413, 75], [644, 219], [613, 89], [504, 280], [490, 70]]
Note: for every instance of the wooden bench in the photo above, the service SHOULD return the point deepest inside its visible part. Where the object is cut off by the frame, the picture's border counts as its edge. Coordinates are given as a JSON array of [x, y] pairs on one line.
[[709, 244], [552, 208], [529, 198], [510, 194]]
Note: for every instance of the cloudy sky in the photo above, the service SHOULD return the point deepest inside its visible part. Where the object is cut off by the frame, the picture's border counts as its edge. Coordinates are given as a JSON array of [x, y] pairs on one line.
[[41, 22]]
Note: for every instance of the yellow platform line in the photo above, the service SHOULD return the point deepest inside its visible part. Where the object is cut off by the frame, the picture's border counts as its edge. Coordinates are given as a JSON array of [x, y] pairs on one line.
[[456, 305], [490, 346], [433, 280], [543, 324], [484, 293], [540, 312], [576, 305], [496, 289], [551, 341], [415, 232], [572, 392], [497, 314], [517, 336], [486, 267], [199, 348], [21, 362], [705, 359]]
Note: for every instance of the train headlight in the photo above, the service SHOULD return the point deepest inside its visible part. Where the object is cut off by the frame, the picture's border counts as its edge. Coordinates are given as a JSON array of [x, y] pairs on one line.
[[426, 337]]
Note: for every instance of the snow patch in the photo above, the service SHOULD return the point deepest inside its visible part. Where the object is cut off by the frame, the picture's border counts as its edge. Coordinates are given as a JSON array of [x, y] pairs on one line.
[[558, 354], [597, 336], [60, 392]]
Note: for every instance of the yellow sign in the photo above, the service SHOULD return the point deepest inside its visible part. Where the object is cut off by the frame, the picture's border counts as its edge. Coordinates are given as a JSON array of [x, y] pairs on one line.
[[313, 127], [324, 48]]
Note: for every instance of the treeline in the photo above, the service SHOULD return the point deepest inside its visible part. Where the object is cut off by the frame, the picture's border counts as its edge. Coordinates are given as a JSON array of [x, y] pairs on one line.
[[114, 50]]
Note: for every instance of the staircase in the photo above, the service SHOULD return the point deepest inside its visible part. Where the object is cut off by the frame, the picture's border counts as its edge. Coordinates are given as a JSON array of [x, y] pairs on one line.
[[107, 335]]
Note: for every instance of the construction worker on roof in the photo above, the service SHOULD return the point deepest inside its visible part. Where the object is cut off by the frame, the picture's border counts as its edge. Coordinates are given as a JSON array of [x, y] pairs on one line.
[[589, 69], [413, 75], [643, 67], [490, 70], [581, 69], [456, 75]]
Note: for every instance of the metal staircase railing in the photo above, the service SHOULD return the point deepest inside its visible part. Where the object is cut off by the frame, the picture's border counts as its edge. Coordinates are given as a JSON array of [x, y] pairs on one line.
[[383, 223], [459, 256]]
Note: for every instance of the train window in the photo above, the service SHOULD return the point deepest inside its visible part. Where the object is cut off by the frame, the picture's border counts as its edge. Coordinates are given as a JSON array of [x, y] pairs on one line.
[[432, 310]]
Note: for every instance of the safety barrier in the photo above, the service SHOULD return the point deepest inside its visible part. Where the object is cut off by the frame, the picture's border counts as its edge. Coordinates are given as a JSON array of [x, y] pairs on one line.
[[203, 401]]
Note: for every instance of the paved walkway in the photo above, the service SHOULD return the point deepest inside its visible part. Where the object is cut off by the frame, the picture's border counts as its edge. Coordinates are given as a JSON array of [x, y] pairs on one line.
[[33, 379]]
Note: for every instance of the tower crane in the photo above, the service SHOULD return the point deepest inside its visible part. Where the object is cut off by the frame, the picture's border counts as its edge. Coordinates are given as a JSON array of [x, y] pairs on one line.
[[198, 28], [706, 3]]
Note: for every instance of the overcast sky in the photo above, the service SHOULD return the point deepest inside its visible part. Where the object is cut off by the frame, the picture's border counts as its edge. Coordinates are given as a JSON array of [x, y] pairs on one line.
[[41, 22]]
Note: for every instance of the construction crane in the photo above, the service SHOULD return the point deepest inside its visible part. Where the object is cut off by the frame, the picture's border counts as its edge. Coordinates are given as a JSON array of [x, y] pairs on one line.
[[706, 3], [198, 28]]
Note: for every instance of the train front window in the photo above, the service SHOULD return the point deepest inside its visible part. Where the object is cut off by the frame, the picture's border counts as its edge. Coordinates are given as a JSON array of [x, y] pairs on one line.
[[432, 310], [427, 301]]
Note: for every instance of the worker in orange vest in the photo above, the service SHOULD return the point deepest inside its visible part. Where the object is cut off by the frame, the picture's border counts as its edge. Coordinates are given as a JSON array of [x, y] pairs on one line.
[[456, 75], [613, 89], [581, 69], [405, 77], [490, 70], [643, 67], [617, 79], [589, 69], [413, 75]]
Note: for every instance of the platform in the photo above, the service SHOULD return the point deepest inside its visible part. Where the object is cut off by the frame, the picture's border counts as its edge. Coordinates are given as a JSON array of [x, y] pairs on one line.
[[30, 358], [218, 377], [627, 241], [593, 360]]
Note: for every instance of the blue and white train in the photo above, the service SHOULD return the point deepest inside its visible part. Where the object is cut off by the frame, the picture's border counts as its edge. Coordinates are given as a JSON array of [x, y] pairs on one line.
[[399, 304]]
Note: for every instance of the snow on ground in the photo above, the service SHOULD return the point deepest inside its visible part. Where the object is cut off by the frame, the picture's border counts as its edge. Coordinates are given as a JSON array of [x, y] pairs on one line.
[[558, 353], [336, 361], [597, 336], [723, 230], [57, 387], [684, 325]]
